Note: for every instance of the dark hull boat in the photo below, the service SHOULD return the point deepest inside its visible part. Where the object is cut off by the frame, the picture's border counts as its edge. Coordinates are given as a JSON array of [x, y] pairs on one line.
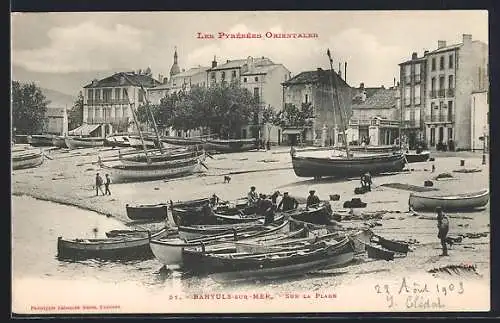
[[417, 158], [40, 140], [157, 158], [84, 142], [280, 264], [147, 212], [346, 167], [374, 149], [27, 159], [121, 247], [192, 212], [182, 141], [230, 145], [59, 142], [320, 214]]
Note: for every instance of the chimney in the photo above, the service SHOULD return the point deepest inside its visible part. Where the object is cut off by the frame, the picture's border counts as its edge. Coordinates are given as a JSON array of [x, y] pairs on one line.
[[227, 61], [165, 80], [414, 55], [426, 52], [382, 87], [441, 43], [467, 39], [361, 86], [394, 83], [214, 63]]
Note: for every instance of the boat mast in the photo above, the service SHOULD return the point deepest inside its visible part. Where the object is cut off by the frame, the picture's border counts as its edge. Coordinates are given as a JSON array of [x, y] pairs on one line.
[[138, 127], [153, 119], [334, 88]]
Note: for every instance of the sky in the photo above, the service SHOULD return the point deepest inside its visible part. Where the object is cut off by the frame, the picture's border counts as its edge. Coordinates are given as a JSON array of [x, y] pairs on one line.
[[371, 42]]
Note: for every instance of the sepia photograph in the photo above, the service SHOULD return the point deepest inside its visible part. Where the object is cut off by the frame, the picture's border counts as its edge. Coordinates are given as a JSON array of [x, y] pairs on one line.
[[173, 162]]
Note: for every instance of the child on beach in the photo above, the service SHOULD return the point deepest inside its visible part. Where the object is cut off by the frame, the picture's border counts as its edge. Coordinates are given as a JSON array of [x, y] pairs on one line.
[[98, 184]]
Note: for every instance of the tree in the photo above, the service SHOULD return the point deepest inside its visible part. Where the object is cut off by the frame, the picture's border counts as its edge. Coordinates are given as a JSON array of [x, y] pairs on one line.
[[75, 115], [293, 117], [29, 106], [270, 118]]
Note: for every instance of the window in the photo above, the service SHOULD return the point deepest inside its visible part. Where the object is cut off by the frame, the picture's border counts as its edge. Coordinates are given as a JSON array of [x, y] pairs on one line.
[[450, 133], [407, 95], [450, 82], [223, 75], [441, 82], [117, 94], [417, 94], [433, 137], [97, 95], [417, 116], [256, 79], [450, 111], [245, 79], [256, 93], [433, 63], [441, 63], [433, 84], [212, 75], [233, 74], [306, 98], [90, 95], [417, 73], [141, 95], [407, 115], [106, 95], [450, 61], [125, 94]]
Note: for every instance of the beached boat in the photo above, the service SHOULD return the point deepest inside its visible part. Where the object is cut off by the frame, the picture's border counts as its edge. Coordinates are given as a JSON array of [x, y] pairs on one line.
[[182, 141], [230, 145], [27, 158], [120, 172], [374, 149], [40, 140], [143, 212], [376, 252], [135, 142], [21, 139], [414, 157], [122, 247], [283, 263], [157, 158], [392, 245], [464, 201], [117, 141], [169, 251], [192, 212], [319, 214], [84, 142], [236, 218], [197, 231], [59, 142], [345, 167]]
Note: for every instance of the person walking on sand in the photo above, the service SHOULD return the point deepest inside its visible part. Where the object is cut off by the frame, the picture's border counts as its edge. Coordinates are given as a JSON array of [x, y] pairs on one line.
[[443, 227], [106, 185], [98, 184]]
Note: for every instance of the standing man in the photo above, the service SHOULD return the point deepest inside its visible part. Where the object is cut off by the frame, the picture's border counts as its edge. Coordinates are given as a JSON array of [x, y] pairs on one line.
[[106, 185], [266, 208], [98, 184], [252, 198], [443, 227], [288, 203], [312, 199], [366, 181]]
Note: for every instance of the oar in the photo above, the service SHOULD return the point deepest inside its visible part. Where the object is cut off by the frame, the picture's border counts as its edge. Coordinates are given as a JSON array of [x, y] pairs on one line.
[[203, 164]]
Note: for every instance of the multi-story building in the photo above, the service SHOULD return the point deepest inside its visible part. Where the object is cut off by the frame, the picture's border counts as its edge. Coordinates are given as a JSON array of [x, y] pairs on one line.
[[56, 121], [453, 73], [315, 87], [413, 99], [479, 120], [107, 102], [375, 116]]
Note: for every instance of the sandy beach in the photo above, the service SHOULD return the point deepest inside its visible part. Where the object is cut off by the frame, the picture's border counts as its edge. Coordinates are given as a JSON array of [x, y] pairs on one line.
[[68, 178]]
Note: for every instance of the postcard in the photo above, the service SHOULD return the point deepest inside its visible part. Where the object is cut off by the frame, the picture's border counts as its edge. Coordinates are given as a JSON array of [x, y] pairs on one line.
[[250, 162]]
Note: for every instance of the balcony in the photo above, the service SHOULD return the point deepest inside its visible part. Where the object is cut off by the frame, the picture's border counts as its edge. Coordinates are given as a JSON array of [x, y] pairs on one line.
[[441, 93], [440, 118], [418, 79], [407, 79], [450, 92], [411, 123]]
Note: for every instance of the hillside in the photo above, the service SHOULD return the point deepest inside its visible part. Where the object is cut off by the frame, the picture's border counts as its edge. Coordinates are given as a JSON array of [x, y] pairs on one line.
[[58, 99]]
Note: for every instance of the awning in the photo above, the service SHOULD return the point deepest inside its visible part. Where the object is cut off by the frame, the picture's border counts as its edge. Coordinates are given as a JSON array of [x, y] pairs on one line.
[[292, 131], [84, 130]]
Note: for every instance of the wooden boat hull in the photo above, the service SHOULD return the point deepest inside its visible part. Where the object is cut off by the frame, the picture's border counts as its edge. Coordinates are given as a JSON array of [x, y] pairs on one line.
[[169, 252], [343, 167], [237, 218], [373, 149], [40, 140], [59, 142], [379, 253], [156, 212], [417, 158], [75, 143], [117, 141], [27, 159], [182, 141], [298, 264], [120, 247], [449, 202], [316, 215], [131, 173], [360, 239], [228, 146], [157, 159]]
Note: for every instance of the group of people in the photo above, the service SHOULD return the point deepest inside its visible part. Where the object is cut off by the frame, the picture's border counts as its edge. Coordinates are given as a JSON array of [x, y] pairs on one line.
[[99, 182]]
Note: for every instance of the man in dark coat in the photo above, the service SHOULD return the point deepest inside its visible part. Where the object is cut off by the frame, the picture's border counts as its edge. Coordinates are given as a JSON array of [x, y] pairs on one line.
[[366, 181], [312, 199], [288, 203], [98, 184], [443, 227], [266, 208]]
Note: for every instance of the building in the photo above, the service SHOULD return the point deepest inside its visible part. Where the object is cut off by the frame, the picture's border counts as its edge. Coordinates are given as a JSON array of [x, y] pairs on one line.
[[413, 99], [375, 116], [479, 120], [107, 102], [314, 87], [56, 121], [448, 77]]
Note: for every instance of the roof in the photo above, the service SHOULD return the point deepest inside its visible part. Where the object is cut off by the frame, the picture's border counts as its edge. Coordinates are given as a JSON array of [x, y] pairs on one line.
[[166, 86], [261, 69], [379, 99], [54, 112], [444, 49], [416, 60], [238, 63], [129, 78], [192, 71], [84, 130], [314, 77]]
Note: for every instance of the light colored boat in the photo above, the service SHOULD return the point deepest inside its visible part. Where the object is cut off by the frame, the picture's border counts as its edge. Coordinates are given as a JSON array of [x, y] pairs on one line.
[[160, 159], [83, 142], [27, 158], [59, 142], [169, 251], [465, 201]]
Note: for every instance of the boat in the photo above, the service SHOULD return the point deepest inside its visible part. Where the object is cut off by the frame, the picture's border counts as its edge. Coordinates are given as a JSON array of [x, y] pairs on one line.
[[230, 145], [197, 231], [84, 142], [27, 159], [374, 149], [376, 252], [169, 251], [392, 245], [59, 142], [319, 214], [117, 141], [40, 140], [417, 157], [192, 212], [283, 263], [120, 172], [342, 167], [179, 141], [156, 158], [236, 218], [135, 142], [464, 201], [21, 139], [118, 247], [152, 212]]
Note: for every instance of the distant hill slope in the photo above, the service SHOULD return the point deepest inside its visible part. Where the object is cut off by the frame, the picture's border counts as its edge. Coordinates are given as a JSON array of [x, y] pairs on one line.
[[58, 99]]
